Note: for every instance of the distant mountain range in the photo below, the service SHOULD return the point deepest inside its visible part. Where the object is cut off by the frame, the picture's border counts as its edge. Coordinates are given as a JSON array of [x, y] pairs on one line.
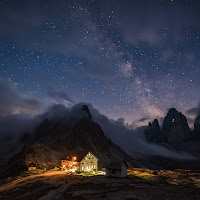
[[174, 129]]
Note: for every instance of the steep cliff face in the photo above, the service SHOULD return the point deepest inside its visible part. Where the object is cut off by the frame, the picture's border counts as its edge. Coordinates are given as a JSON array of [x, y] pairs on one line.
[[197, 127], [153, 132], [175, 127], [88, 135]]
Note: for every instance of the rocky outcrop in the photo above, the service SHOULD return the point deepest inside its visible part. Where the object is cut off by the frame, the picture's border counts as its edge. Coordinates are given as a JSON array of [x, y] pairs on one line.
[[175, 127], [197, 127], [153, 132], [86, 109]]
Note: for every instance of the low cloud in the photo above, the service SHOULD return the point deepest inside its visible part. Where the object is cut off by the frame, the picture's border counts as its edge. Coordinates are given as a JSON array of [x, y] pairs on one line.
[[140, 122], [17, 101], [61, 95], [131, 140], [143, 119], [194, 111], [14, 101]]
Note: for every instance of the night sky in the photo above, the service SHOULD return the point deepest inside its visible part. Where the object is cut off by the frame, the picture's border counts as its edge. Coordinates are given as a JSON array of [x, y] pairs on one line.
[[128, 58]]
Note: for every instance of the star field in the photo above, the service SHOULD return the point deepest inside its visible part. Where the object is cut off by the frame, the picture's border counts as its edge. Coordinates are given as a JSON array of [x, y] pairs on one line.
[[129, 59]]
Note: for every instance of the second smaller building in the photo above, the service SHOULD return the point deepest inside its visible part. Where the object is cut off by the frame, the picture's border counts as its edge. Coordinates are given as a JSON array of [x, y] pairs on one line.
[[31, 167], [117, 168]]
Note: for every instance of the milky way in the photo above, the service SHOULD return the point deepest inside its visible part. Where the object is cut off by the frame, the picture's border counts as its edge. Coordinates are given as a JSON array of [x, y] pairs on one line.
[[129, 59]]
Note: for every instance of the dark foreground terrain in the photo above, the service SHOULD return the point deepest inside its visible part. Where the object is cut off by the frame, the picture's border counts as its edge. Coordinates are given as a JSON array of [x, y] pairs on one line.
[[141, 184]]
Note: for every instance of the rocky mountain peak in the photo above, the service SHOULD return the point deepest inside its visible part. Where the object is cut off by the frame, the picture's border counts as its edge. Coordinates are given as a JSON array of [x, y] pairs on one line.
[[155, 123], [86, 109], [175, 127], [172, 110], [153, 132]]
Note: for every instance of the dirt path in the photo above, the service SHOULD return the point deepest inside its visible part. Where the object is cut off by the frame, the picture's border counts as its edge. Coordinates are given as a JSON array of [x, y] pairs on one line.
[[55, 194], [20, 181]]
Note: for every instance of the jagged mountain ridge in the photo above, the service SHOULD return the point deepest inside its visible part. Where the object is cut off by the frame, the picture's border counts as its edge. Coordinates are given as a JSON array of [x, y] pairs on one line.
[[153, 132], [54, 141], [175, 129]]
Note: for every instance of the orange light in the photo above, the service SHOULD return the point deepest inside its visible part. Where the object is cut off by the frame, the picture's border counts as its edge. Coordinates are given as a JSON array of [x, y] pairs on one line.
[[74, 158]]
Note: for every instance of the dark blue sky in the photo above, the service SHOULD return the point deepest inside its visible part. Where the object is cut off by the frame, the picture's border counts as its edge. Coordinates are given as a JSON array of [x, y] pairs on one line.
[[130, 59]]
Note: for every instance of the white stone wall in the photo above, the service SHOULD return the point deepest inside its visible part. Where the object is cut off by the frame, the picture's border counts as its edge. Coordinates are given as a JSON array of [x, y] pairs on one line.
[[89, 162]]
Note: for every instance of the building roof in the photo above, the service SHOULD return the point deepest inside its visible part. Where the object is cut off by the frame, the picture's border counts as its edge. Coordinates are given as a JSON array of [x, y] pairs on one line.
[[92, 154], [78, 154], [116, 164], [32, 165]]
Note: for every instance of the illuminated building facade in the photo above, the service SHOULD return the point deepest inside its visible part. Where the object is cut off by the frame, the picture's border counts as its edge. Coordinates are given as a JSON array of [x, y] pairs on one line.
[[80, 161]]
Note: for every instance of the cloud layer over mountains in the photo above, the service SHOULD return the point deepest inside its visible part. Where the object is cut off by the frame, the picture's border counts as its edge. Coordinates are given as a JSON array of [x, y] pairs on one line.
[[21, 112], [133, 141], [13, 101]]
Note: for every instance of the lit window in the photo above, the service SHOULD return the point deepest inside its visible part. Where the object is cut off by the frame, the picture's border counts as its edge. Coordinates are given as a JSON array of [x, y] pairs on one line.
[[173, 120]]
